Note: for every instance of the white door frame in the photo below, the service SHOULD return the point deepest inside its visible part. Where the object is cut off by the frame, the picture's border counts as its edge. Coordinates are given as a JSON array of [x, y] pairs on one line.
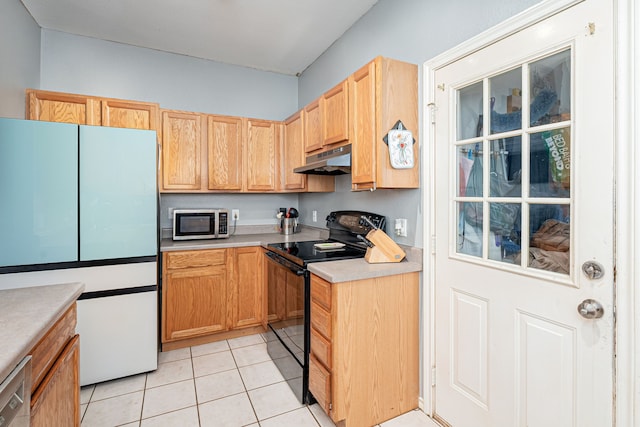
[[627, 233]]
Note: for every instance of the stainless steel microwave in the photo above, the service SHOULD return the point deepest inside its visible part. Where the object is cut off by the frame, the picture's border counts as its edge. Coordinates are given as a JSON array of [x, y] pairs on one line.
[[192, 224]]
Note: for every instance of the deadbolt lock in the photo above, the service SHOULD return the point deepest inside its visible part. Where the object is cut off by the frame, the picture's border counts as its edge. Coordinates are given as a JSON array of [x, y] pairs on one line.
[[592, 270]]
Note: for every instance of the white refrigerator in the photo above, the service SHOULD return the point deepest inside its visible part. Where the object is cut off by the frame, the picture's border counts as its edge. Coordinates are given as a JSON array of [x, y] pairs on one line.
[[81, 206]]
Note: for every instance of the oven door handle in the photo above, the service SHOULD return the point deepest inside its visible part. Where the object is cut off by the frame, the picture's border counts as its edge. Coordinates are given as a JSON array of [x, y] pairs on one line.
[[295, 268]]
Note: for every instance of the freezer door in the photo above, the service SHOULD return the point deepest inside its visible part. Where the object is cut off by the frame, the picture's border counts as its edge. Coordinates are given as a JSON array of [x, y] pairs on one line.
[[118, 336], [39, 192], [118, 199]]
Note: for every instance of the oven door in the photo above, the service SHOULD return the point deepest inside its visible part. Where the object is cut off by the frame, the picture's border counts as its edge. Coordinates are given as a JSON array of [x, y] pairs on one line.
[[288, 321]]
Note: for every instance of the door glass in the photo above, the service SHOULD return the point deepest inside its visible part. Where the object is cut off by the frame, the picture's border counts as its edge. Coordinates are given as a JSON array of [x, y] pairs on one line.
[[506, 167], [527, 166], [550, 89], [550, 163], [550, 237], [469, 123], [506, 101]]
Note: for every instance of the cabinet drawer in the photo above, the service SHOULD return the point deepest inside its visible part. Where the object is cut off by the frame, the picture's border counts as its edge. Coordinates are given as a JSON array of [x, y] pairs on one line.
[[186, 259], [321, 320], [321, 348], [320, 383], [45, 353], [321, 292]]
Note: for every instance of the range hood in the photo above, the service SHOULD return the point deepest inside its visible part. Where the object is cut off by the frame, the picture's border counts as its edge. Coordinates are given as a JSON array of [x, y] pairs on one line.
[[336, 161]]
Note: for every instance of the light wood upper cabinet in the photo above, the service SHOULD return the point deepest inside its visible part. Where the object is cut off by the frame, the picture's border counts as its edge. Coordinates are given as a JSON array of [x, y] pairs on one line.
[[335, 114], [363, 101], [62, 107], [381, 93], [182, 150], [224, 152], [262, 149], [129, 114], [293, 152], [91, 110], [313, 138]]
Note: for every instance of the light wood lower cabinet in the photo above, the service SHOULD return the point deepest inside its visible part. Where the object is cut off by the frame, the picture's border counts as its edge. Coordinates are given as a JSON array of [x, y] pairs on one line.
[[55, 374], [247, 286], [211, 294], [363, 366], [57, 401]]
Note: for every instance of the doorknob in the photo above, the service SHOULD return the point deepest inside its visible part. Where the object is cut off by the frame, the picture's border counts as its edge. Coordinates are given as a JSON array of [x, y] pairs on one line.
[[590, 309]]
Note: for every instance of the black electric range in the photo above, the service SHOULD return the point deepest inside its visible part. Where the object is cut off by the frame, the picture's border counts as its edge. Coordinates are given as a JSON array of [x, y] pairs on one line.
[[344, 242], [289, 290]]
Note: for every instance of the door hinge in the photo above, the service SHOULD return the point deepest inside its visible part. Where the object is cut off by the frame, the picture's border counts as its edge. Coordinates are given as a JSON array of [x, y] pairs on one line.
[[433, 245], [330, 406], [433, 376], [591, 28], [441, 86]]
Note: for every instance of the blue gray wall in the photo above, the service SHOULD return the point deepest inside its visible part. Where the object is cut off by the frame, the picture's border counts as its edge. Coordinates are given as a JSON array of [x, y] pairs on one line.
[[19, 57], [86, 65], [412, 31]]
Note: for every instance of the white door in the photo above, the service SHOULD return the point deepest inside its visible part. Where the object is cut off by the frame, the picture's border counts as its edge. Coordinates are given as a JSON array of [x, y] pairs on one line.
[[524, 172]]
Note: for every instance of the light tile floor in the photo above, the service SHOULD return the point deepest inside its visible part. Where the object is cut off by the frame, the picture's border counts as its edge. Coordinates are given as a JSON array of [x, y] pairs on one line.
[[223, 384]]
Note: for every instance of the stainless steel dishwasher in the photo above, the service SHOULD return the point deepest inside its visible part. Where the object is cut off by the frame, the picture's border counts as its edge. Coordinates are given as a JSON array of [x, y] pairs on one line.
[[15, 396]]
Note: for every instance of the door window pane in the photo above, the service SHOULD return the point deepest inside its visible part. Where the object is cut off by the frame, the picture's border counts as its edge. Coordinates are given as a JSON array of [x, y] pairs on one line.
[[469, 117], [550, 163], [550, 238], [470, 228], [506, 167], [504, 223], [550, 88], [466, 155], [506, 101]]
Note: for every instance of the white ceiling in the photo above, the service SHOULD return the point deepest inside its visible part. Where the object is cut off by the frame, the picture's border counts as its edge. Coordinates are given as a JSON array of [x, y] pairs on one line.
[[284, 36]]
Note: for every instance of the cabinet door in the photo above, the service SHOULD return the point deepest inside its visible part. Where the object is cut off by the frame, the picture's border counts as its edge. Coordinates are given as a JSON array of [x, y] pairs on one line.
[[294, 306], [293, 152], [224, 152], [261, 150], [118, 199], [62, 107], [335, 114], [181, 151], [57, 399], [129, 114], [39, 192], [313, 138], [248, 287], [276, 281], [194, 302], [363, 133]]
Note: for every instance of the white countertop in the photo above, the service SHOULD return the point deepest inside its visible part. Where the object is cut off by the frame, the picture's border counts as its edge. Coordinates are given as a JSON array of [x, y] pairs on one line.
[[26, 314], [332, 271]]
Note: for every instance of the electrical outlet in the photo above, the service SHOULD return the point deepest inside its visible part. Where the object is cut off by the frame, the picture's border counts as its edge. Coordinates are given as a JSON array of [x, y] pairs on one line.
[[315, 216], [401, 227], [170, 213], [235, 214]]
